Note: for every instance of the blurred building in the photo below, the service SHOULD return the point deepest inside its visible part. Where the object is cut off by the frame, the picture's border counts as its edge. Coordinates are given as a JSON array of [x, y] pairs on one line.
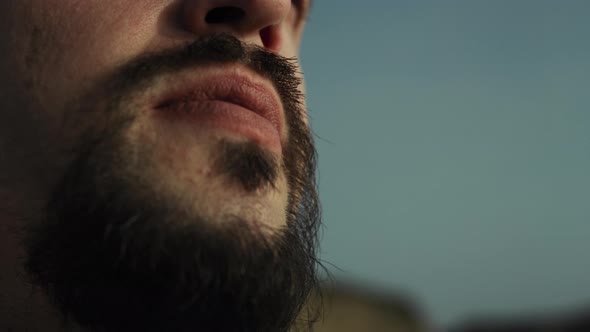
[[578, 321], [347, 308]]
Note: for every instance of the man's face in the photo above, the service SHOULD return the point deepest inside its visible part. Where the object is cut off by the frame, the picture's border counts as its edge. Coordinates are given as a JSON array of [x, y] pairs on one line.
[[157, 169]]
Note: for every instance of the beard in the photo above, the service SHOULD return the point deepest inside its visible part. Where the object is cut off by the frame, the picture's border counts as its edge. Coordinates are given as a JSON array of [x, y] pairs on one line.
[[115, 254]]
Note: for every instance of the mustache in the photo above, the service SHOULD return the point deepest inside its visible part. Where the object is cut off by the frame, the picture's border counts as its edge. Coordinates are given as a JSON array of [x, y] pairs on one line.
[[213, 49]]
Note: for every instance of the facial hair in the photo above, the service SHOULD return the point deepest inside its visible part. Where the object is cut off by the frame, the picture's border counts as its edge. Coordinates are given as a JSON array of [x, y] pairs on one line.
[[112, 256]]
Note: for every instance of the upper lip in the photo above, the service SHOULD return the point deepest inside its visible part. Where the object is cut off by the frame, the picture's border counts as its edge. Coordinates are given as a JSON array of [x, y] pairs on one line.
[[235, 86]]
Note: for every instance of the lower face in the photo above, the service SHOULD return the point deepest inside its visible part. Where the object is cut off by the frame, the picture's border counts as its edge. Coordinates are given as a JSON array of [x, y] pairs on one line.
[[157, 222]]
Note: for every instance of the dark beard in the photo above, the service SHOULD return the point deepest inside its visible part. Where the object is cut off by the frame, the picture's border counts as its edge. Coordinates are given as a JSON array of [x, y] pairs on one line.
[[114, 257], [253, 167]]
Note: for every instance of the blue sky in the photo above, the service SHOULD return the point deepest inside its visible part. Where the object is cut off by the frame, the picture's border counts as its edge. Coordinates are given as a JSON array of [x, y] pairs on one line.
[[454, 141]]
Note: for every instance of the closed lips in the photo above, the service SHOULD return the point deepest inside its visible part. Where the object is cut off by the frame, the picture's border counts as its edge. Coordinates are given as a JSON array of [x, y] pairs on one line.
[[234, 89]]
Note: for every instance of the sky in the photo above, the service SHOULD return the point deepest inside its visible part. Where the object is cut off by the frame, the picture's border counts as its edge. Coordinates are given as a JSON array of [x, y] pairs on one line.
[[454, 144]]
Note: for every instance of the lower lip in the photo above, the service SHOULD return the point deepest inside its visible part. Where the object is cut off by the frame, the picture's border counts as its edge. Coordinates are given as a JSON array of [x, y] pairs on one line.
[[222, 115]]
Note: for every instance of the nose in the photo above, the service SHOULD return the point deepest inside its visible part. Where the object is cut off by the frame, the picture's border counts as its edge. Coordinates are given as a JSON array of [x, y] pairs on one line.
[[254, 21]]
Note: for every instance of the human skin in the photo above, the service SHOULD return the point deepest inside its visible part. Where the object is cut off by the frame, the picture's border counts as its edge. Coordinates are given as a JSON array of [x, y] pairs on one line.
[[53, 51]]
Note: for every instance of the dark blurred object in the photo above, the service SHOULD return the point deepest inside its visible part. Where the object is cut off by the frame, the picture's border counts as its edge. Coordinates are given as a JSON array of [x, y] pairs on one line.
[[348, 308], [577, 322]]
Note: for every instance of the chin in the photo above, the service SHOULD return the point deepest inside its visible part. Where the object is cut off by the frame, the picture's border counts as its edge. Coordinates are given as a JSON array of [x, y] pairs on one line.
[[209, 173]]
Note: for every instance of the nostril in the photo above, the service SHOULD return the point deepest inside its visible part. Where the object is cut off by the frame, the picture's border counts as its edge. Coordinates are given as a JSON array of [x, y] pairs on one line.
[[270, 38], [224, 15]]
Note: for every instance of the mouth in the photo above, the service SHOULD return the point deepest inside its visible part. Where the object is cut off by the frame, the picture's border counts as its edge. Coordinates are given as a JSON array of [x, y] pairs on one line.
[[234, 101]]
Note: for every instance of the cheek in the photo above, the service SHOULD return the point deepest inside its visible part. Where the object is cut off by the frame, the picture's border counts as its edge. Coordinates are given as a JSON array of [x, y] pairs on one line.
[[74, 42], [94, 34], [290, 49], [291, 40]]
